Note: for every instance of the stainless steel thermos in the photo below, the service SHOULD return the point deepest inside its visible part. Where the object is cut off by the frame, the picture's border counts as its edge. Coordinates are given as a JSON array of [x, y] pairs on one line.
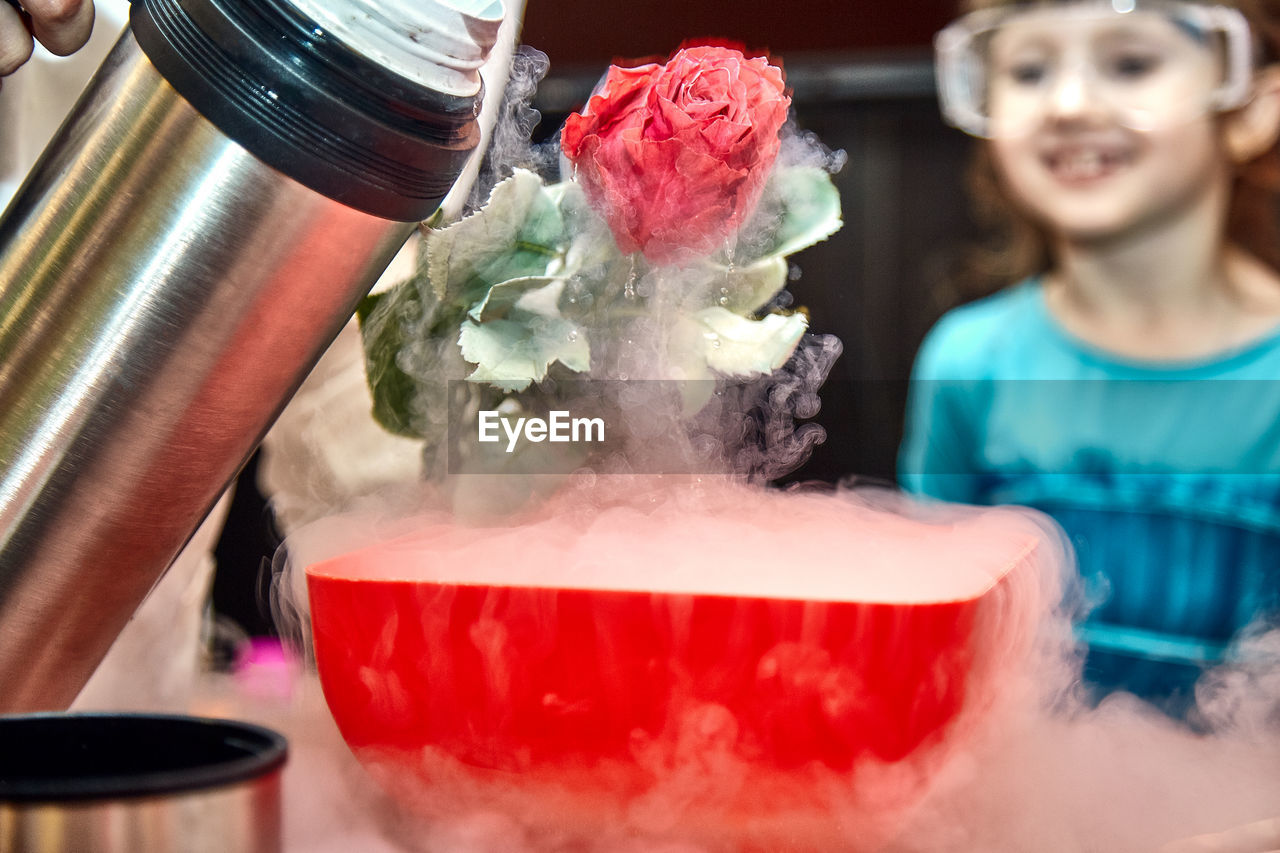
[[230, 185], [139, 783]]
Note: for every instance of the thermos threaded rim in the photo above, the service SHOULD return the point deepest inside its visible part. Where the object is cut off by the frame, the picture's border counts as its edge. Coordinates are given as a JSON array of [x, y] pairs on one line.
[[305, 104]]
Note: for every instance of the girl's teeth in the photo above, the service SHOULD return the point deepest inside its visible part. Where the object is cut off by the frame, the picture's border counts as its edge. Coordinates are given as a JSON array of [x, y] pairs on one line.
[[1082, 165]]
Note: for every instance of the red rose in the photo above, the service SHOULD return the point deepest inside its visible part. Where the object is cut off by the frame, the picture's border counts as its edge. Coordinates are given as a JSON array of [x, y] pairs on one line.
[[675, 156]]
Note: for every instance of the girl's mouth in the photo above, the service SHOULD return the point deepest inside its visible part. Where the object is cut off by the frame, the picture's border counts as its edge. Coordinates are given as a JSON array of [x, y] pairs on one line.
[[1076, 165]]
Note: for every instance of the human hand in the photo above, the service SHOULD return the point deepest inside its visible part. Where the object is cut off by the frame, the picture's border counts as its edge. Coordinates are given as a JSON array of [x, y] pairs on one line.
[[1260, 837], [62, 26]]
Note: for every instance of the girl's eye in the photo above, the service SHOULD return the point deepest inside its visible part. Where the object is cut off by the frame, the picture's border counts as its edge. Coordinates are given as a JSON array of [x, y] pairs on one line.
[[1132, 66], [1027, 73]]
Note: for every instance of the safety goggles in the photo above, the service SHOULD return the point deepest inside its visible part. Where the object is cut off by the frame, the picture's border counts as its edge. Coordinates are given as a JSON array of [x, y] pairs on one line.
[[1145, 64]]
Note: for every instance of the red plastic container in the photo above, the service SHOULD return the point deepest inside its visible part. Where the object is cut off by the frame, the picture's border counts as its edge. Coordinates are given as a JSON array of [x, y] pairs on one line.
[[420, 647]]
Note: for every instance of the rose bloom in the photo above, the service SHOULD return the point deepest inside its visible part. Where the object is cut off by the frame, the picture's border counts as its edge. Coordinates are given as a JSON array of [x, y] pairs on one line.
[[675, 156]]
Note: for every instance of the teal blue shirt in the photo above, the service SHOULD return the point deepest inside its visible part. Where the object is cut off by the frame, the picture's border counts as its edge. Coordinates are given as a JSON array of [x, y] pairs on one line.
[[1165, 475]]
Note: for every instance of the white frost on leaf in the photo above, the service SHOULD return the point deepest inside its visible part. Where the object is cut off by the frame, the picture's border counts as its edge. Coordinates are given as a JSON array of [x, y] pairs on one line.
[[516, 233], [734, 345], [514, 350]]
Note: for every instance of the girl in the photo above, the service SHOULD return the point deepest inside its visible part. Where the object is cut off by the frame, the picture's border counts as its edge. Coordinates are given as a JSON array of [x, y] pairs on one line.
[[1134, 142]]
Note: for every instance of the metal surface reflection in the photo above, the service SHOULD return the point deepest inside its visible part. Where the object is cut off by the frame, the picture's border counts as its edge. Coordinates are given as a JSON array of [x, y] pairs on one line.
[[162, 293]]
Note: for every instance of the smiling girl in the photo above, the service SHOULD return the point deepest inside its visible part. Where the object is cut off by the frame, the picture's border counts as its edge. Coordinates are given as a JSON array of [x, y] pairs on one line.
[[1129, 384]]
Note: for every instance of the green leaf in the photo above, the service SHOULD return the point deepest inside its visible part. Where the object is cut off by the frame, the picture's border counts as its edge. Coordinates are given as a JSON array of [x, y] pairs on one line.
[[505, 295], [518, 232], [567, 195], [510, 354], [739, 346], [515, 349], [481, 267], [589, 245], [745, 290], [800, 206], [387, 324]]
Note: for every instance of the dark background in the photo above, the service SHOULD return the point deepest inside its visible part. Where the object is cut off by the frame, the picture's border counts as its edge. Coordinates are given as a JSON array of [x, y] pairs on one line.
[[587, 32], [862, 81]]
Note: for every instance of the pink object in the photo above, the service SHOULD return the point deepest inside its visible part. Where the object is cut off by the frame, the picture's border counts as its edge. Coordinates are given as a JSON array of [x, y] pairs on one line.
[[604, 650], [264, 670], [675, 156]]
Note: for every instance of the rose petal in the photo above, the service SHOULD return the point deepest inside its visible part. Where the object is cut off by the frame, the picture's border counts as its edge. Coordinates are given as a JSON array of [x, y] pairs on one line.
[[675, 157]]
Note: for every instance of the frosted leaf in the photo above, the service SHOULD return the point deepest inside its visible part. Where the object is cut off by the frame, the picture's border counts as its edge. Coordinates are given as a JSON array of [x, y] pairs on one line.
[[517, 233], [739, 346], [800, 207], [515, 349], [538, 294], [745, 289]]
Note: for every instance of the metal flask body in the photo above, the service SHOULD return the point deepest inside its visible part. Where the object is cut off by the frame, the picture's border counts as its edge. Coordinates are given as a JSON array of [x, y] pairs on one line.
[[166, 282], [139, 783]]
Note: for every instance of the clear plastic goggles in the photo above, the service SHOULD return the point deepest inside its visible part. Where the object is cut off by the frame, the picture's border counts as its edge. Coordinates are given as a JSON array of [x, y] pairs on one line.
[[1145, 64]]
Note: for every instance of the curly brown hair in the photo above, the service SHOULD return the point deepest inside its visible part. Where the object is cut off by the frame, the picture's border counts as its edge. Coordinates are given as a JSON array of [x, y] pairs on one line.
[[1019, 247]]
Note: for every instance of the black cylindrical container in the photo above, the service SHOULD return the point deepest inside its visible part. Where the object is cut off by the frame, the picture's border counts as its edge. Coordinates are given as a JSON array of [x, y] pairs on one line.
[[138, 784]]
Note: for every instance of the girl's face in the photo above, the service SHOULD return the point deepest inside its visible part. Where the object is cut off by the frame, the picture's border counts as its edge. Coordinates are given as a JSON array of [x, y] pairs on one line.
[[1102, 122]]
